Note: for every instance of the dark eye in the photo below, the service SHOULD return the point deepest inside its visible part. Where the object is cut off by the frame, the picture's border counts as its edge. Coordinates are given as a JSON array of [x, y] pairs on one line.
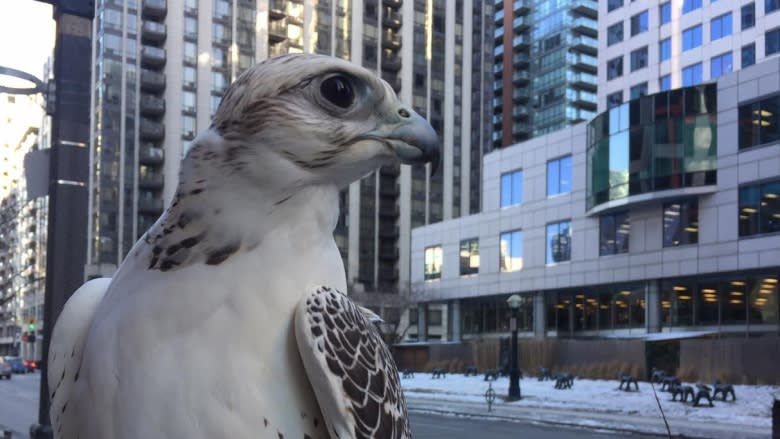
[[338, 90]]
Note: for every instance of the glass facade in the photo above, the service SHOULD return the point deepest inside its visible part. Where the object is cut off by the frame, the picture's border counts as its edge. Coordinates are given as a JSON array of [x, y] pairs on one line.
[[639, 23], [614, 233], [720, 65], [759, 122], [511, 251], [720, 27], [492, 314], [665, 12], [748, 13], [596, 308], [681, 223], [759, 208], [663, 141], [558, 242], [691, 38], [748, 55], [665, 49]]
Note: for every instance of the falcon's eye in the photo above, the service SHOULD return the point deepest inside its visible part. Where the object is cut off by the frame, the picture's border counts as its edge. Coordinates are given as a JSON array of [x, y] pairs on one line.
[[338, 90]]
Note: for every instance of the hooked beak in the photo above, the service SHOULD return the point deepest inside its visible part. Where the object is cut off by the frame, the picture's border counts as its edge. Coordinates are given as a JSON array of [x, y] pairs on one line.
[[412, 138]]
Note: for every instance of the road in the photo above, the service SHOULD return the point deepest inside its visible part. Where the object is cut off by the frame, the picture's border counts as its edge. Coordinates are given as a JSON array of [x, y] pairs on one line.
[[19, 410]]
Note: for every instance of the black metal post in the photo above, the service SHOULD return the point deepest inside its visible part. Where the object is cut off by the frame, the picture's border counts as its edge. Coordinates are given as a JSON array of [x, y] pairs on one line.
[[514, 375], [68, 175]]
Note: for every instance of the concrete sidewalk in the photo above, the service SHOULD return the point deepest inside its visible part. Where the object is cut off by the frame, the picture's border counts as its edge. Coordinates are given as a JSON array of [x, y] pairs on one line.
[[648, 423]]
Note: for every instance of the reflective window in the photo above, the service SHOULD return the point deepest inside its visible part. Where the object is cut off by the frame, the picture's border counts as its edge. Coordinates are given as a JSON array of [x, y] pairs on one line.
[[759, 208], [614, 231], [692, 75], [615, 33], [189, 76], [691, 38], [559, 176], [759, 122], [690, 5], [433, 261], [188, 101], [771, 6], [720, 65], [190, 52], [681, 223], [512, 188], [558, 242], [639, 90], [748, 16], [720, 27], [639, 23], [511, 251], [772, 42], [613, 4], [615, 68], [469, 256], [188, 127], [190, 27], [665, 82], [615, 99], [665, 12], [748, 55], [665, 49], [639, 58]]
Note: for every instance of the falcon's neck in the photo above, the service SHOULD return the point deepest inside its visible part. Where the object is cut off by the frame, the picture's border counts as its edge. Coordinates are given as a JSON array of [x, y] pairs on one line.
[[214, 217]]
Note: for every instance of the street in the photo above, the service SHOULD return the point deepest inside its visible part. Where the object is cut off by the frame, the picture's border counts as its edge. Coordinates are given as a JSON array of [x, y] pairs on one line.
[[19, 408]]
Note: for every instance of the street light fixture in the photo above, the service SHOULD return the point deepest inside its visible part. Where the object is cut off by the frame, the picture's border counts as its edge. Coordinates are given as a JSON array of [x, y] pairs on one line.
[[514, 302]]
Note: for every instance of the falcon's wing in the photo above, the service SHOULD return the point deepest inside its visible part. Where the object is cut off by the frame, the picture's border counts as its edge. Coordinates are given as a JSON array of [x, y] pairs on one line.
[[350, 368], [65, 351]]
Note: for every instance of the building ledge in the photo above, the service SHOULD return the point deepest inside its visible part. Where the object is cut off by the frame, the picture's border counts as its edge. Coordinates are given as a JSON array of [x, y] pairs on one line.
[[651, 197]]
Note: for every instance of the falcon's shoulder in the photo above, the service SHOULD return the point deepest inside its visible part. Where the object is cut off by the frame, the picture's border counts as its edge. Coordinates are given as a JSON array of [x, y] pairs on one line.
[[350, 368]]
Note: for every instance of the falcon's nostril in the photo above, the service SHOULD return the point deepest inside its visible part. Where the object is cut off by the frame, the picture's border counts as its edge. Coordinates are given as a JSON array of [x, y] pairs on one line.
[[403, 113]]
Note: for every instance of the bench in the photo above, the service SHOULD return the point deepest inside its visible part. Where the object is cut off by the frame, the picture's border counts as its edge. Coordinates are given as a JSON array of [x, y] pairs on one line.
[[564, 381], [407, 373], [471, 370], [438, 373], [627, 380], [492, 374], [657, 376], [544, 374], [682, 391], [702, 391], [668, 382], [724, 390]]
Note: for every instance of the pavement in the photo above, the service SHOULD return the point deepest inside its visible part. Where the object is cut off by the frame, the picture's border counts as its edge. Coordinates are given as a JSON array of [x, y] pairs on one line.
[[644, 423]]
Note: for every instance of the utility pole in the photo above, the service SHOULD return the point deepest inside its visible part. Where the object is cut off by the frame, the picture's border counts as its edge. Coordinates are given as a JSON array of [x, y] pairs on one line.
[[68, 174]]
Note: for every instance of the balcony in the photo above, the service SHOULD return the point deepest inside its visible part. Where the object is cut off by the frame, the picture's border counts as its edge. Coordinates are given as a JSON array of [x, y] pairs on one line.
[[153, 33], [152, 105], [582, 98], [151, 155], [521, 7], [498, 88], [388, 232], [150, 180], [585, 81], [589, 8], [388, 275], [390, 40], [277, 31], [520, 112], [388, 253], [391, 62], [586, 26], [151, 130], [521, 129], [277, 9], [521, 59], [391, 19], [499, 16], [152, 57], [395, 4], [520, 95], [521, 24], [388, 210], [521, 77], [150, 206], [582, 61], [155, 9], [575, 115], [389, 190], [584, 43], [521, 42], [152, 81]]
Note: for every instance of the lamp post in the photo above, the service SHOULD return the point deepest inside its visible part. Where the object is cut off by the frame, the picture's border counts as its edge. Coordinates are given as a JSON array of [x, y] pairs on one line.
[[514, 377]]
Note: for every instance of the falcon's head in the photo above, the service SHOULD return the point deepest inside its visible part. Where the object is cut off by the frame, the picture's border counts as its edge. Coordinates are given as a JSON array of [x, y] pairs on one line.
[[309, 119]]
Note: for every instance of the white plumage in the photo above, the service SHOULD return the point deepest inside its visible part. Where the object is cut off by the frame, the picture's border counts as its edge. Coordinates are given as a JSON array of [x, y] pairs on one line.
[[195, 335]]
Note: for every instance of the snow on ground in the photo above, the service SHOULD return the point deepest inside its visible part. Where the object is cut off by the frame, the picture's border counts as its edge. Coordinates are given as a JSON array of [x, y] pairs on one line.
[[753, 406]]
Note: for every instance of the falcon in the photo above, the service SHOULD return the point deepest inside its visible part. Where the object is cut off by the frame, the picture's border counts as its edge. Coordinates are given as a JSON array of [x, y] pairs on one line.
[[228, 318]]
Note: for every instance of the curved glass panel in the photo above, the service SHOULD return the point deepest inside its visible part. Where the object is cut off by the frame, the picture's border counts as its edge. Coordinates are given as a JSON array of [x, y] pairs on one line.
[[658, 142]]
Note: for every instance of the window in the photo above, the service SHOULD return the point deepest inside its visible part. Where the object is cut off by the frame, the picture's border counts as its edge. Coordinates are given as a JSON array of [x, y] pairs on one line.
[[559, 176], [748, 16], [771, 6], [665, 49], [720, 27], [219, 82], [190, 27], [188, 127], [665, 12], [748, 55], [512, 188], [690, 5], [558, 242], [772, 41], [215, 100], [759, 122], [511, 251], [434, 317], [615, 33], [221, 9], [639, 58], [692, 75], [639, 23], [469, 256], [188, 101], [759, 208], [665, 82], [720, 65], [615, 68], [190, 52], [691, 38], [615, 99], [614, 230], [681, 223], [639, 90], [613, 4], [433, 260], [219, 57], [190, 76]]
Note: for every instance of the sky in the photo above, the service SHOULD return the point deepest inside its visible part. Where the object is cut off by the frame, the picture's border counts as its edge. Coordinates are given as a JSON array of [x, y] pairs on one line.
[[26, 35]]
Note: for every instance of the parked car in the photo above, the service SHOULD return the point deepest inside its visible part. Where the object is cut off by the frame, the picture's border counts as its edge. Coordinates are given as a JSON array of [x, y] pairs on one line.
[[17, 365], [6, 371]]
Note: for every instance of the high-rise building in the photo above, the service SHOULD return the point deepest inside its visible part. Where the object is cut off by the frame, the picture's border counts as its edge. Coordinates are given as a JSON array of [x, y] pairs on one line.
[[650, 46], [545, 67], [161, 67]]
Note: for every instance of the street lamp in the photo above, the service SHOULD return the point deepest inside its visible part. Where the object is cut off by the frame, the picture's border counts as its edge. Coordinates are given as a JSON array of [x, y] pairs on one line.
[[514, 377]]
